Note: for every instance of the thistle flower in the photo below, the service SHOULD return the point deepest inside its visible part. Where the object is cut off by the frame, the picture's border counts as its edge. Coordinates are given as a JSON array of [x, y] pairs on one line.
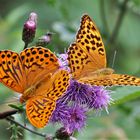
[[100, 98], [72, 107], [29, 29], [76, 120], [77, 93], [90, 96], [62, 133], [72, 117], [61, 113]]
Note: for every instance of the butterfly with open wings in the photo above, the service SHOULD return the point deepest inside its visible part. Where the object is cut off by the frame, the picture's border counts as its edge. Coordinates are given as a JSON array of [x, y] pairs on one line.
[[36, 74]]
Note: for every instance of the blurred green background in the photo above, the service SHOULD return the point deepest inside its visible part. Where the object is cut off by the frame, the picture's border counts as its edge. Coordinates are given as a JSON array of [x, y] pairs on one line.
[[119, 24]]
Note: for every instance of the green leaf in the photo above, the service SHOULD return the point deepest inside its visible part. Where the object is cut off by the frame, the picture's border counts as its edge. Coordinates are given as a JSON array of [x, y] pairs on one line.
[[124, 94], [19, 107]]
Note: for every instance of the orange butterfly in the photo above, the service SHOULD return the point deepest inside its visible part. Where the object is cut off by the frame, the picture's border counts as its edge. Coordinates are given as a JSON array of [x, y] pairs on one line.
[[36, 75], [87, 59]]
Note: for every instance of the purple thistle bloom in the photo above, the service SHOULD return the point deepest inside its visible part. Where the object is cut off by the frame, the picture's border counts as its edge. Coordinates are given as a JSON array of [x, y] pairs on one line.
[[61, 113], [72, 117], [95, 97], [77, 119], [72, 107], [100, 98], [77, 92]]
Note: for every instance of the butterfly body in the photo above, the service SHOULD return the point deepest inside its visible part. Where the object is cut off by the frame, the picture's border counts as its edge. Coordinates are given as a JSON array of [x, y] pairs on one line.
[[100, 72], [32, 90], [35, 74], [87, 59], [28, 93]]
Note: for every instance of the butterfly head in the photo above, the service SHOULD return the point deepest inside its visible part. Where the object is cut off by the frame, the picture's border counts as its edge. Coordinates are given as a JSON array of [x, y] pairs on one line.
[[22, 100]]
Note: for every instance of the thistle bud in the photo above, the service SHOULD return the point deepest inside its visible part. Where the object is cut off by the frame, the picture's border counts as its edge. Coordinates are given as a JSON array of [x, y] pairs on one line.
[[62, 133], [29, 29], [44, 40]]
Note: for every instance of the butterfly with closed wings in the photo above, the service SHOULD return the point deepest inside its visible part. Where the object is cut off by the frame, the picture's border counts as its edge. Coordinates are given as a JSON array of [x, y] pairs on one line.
[[87, 59]]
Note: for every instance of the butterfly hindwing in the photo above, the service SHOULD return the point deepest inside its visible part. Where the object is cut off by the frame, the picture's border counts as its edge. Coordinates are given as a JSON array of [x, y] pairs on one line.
[[110, 80], [60, 83], [40, 107]]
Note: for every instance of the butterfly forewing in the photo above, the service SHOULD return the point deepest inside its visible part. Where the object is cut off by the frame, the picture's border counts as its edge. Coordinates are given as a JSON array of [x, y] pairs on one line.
[[12, 73], [123, 79], [37, 62], [89, 39], [89, 50]]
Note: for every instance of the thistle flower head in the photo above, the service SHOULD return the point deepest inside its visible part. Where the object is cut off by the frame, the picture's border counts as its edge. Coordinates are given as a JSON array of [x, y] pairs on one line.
[[76, 120], [60, 113], [100, 98], [29, 28], [72, 107], [71, 117], [77, 93]]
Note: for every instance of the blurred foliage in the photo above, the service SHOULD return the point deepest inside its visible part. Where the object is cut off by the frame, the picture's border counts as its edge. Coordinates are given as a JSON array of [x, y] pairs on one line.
[[62, 17]]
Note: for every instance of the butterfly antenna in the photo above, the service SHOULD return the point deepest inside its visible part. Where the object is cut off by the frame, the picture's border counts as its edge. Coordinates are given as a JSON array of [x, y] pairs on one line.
[[65, 50], [114, 57]]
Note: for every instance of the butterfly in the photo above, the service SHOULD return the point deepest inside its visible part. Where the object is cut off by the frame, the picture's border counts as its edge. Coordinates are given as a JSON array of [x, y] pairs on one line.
[[36, 74], [87, 59]]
